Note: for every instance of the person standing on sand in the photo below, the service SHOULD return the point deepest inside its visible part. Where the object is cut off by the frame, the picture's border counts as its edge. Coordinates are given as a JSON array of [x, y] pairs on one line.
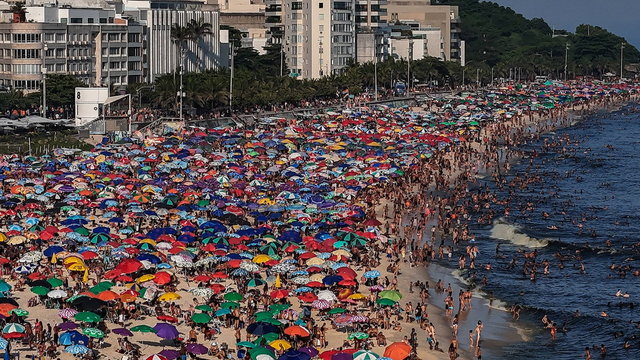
[[478, 331]]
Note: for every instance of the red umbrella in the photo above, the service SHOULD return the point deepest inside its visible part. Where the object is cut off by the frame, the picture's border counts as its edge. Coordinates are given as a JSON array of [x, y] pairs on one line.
[[162, 278], [372, 222], [129, 266], [168, 318], [347, 273], [308, 297], [398, 351], [279, 294]]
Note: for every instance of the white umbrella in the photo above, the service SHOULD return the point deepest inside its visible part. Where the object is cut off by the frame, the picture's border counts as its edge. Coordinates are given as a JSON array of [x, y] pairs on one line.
[[57, 294], [327, 295]]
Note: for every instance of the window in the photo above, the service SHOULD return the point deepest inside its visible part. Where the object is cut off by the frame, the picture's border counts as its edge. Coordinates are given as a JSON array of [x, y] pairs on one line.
[[296, 5], [90, 20], [75, 21], [103, 20], [321, 17], [26, 53], [26, 38], [320, 5], [321, 28]]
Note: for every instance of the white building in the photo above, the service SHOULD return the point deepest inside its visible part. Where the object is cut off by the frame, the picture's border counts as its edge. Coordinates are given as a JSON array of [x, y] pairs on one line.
[[319, 36], [163, 53]]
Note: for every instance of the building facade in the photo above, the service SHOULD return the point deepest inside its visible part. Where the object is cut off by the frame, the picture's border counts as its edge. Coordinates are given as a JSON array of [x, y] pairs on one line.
[[444, 17], [319, 36]]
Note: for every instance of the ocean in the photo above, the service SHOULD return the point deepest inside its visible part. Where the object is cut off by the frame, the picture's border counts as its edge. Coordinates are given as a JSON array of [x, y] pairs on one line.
[[594, 180]]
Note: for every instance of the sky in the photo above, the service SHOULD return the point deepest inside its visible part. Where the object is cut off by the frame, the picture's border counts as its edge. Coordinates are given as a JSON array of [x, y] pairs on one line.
[[621, 17]]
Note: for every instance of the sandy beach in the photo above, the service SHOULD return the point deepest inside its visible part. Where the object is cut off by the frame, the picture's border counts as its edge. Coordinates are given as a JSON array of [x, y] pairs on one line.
[[191, 260]]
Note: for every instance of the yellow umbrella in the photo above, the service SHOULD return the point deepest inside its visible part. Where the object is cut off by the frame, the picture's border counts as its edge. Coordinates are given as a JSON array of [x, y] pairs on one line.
[[3, 237], [147, 241], [170, 296], [17, 240], [262, 258], [280, 345], [145, 278], [72, 260], [357, 296], [77, 267]]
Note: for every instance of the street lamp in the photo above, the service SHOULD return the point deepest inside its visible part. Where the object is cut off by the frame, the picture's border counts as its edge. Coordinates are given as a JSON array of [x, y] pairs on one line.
[[181, 93], [621, 60], [566, 60], [44, 80], [233, 50], [140, 95]]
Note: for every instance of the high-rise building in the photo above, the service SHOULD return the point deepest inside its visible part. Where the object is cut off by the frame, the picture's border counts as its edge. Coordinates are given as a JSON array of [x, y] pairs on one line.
[[444, 17], [319, 36], [89, 43], [370, 14]]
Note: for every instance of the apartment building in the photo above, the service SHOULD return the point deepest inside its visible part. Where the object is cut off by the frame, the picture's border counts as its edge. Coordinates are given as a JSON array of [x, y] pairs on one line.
[[70, 42], [444, 17], [319, 36]]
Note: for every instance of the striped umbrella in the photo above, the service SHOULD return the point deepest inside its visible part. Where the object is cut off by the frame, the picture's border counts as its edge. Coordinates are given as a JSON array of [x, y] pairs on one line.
[[67, 313]]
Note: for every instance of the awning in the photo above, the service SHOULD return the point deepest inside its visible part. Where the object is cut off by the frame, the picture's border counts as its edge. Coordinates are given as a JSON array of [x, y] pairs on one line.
[[112, 99]]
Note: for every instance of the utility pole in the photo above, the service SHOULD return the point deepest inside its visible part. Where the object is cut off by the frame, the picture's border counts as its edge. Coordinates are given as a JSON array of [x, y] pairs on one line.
[[477, 77], [233, 50], [409, 57], [464, 69], [375, 75], [182, 53], [621, 60], [492, 76], [281, 58], [44, 79], [566, 60]]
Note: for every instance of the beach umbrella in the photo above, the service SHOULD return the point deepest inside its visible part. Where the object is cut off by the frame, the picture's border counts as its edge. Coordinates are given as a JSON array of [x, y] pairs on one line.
[[93, 332], [67, 313], [166, 331], [77, 350], [40, 290], [294, 355], [358, 335], [204, 307], [156, 357], [67, 325], [57, 294], [54, 282], [3, 344], [365, 355], [169, 354], [261, 353], [280, 344], [122, 332], [13, 328], [372, 274], [297, 330], [170, 296], [87, 316], [397, 351], [391, 295], [201, 318], [143, 329], [261, 328], [73, 337], [233, 296], [202, 292], [197, 349], [19, 312]]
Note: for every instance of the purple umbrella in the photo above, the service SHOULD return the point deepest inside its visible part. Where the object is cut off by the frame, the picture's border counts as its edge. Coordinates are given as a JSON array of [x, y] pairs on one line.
[[342, 356], [122, 332], [197, 349], [166, 331], [169, 354], [311, 351], [67, 326]]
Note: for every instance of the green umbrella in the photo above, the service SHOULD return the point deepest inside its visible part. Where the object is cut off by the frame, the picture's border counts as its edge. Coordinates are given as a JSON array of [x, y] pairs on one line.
[[264, 315], [204, 307], [365, 355], [276, 308], [267, 338], [55, 282], [201, 318], [102, 286], [229, 305], [391, 295], [74, 297], [246, 344], [19, 312], [87, 316], [275, 322], [40, 290], [143, 329], [256, 352], [255, 282], [82, 230], [93, 332], [336, 311], [358, 335], [385, 302], [233, 296]]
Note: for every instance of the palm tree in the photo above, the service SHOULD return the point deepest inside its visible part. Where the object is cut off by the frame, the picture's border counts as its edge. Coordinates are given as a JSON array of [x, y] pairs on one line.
[[180, 35], [197, 30]]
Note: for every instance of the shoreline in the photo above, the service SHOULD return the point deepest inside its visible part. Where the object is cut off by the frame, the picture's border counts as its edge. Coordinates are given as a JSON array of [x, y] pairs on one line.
[[499, 325]]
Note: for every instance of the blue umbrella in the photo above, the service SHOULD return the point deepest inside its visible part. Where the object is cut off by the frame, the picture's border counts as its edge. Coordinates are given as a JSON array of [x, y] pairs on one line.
[[294, 355], [77, 350], [51, 250], [331, 279], [3, 344], [261, 328], [73, 338], [372, 274]]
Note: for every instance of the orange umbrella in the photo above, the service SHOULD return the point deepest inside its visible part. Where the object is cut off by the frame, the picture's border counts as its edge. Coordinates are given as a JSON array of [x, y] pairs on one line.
[[5, 308], [297, 330], [397, 351], [108, 295]]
